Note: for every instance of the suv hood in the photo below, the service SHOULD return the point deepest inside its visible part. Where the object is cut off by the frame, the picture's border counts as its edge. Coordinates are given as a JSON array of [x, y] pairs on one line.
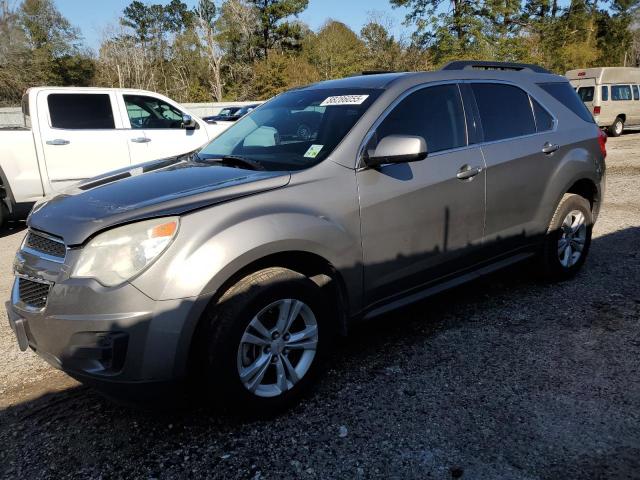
[[165, 187]]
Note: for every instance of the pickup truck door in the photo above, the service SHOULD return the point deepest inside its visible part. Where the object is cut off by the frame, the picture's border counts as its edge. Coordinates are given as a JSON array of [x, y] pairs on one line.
[[80, 136], [155, 128], [422, 220]]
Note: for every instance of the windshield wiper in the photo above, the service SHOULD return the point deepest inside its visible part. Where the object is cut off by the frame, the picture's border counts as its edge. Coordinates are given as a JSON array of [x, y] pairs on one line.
[[235, 161]]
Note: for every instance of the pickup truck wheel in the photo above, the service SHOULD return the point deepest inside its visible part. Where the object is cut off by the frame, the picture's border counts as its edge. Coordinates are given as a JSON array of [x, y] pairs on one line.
[[616, 129], [266, 337], [568, 238]]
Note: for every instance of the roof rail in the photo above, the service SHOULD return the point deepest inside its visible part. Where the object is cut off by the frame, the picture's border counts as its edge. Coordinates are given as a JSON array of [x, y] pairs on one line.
[[485, 65]]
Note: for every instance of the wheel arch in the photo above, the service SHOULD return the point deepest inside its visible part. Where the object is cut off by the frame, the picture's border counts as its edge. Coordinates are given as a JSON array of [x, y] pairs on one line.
[[312, 265]]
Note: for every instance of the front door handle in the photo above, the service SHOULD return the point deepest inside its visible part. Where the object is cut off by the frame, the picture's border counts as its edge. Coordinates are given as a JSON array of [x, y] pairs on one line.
[[467, 172], [58, 141], [549, 148], [141, 140]]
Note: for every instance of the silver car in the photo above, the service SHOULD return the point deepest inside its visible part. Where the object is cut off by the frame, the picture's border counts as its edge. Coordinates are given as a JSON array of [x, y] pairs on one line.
[[234, 267]]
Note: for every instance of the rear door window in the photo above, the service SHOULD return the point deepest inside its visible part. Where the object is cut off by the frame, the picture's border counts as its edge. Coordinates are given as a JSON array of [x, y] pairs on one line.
[[80, 111], [636, 93], [620, 92], [563, 93], [586, 93], [433, 113], [605, 93], [498, 122]]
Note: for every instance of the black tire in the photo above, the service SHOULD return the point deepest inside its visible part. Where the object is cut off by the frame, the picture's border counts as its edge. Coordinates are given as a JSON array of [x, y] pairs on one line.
[[616, 128], [552, 267], [226, 322]]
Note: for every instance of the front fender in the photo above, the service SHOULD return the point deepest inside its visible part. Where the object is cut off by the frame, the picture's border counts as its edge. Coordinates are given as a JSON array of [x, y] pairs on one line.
[[214, 244]]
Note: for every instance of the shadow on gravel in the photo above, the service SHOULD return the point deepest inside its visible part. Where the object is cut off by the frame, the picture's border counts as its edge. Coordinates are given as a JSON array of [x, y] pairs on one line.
[[505, 377]]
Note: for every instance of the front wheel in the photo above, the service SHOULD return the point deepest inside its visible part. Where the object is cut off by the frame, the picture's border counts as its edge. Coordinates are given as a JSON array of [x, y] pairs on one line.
[[265, 340], [568, 238]]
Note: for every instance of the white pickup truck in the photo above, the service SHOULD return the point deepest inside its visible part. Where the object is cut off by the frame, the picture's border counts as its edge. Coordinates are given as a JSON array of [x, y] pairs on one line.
[[71, 134]]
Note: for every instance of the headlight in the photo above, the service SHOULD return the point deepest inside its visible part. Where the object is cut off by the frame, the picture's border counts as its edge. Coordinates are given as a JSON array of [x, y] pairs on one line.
[[117, 255]]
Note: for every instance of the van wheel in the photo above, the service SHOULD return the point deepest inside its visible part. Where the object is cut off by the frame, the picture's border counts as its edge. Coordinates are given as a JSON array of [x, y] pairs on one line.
[[616, 129], [265, 341], [568, 238]]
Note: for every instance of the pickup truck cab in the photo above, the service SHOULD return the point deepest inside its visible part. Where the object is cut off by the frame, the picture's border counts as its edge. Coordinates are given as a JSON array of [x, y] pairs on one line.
[[71, 134]]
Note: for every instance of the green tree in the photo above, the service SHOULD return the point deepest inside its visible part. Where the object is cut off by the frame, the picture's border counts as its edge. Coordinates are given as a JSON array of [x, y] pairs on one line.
[[336, 51], [274, 30]]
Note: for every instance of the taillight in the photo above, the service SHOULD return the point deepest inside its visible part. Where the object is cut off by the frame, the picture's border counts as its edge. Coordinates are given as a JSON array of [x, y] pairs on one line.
[[602, 141], [596, 110]]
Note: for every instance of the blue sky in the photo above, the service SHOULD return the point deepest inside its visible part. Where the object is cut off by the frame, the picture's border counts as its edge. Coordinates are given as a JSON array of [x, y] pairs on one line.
[[94, 16]]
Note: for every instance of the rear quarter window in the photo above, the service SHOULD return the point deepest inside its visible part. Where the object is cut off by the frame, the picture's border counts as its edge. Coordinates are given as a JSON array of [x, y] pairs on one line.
[[636, 93], [605, 93], [566, 95]]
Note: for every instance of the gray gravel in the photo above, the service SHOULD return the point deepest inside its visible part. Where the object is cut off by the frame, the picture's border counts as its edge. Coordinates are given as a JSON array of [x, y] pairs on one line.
[[506, 378]]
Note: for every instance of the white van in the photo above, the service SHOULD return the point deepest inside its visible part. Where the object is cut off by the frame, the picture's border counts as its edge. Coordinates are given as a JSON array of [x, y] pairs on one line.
[[612, 94]]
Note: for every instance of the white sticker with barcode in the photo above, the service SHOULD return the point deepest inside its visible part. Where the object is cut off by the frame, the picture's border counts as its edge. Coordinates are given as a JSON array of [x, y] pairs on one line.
[[344, 100]]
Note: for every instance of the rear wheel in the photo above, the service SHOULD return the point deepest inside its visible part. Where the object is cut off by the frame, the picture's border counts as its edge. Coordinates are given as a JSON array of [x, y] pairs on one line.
[[265, 340], [568, 237], [616, 129]]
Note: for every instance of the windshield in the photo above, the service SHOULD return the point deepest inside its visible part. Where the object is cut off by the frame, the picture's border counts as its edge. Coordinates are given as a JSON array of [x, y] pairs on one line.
[[295, 130]]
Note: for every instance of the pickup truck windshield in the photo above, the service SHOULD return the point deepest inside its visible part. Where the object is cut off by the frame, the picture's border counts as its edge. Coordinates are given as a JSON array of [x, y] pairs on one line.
[[295, 130]]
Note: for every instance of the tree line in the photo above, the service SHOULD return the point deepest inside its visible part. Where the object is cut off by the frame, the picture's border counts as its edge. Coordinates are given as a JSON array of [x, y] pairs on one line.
[[253, 49]]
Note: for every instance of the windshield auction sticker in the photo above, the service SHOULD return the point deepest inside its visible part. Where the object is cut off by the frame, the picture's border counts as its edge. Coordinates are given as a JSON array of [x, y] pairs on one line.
[[344, 100], [313, 151]]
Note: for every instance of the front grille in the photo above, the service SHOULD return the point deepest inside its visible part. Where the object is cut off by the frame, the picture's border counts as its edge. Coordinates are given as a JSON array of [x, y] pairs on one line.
[[33, 294], [46, 245]]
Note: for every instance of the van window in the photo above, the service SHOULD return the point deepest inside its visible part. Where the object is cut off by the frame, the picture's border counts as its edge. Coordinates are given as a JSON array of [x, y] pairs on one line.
[[80, 111], [620, 92], [605, 93], [636, 93], [499, 123], [563, 93], [433, 113], [544, 121], [586, 93]]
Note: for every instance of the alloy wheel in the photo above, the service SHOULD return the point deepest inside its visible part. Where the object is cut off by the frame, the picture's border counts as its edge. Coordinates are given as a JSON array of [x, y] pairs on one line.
[[573, 237], [277, 348]]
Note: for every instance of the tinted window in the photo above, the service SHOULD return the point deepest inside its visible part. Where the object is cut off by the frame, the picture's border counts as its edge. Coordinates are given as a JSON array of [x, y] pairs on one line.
[[505, 111], [620, 92], [544, 121], [433, 113], [636, 93], [586, 93], [294, 130], [80, 111], [149, 112], [605, 93], [563, 92]]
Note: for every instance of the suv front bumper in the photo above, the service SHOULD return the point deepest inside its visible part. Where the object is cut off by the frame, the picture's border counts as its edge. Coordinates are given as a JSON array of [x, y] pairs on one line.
[[133, 339]]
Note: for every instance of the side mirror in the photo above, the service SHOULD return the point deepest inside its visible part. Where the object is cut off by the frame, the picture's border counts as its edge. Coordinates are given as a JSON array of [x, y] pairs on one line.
[[188, 122], [397, 149]]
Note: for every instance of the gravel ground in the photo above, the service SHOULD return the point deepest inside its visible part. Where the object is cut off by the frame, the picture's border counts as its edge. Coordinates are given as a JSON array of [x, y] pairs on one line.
[[506, 378]]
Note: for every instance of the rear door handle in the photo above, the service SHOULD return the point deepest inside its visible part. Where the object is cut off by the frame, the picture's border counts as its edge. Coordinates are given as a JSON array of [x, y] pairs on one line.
[[467, 172], [141, 140], [549, 148], [58, 141]]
